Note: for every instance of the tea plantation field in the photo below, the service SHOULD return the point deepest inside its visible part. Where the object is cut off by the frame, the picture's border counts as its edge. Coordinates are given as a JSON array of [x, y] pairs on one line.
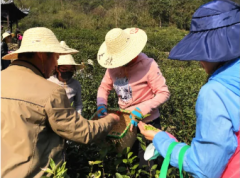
[[184, 80]]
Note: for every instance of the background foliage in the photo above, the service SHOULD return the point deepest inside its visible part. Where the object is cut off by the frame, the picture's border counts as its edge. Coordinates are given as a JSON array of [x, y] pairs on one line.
[[83, 25], [107, 14]]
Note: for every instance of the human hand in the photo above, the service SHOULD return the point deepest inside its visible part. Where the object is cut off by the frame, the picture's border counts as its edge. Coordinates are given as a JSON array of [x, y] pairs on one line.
[[148, 134], [101, 110], [135, 116], [115, 117]]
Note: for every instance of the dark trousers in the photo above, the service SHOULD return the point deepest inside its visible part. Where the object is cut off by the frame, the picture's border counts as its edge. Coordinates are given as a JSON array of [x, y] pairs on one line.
[[137, 149]]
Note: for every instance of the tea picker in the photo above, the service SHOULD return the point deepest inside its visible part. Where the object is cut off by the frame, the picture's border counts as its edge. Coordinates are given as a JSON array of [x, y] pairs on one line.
[[137, 81], [215, 150], [6, 38], [36, 113], [63, 76]]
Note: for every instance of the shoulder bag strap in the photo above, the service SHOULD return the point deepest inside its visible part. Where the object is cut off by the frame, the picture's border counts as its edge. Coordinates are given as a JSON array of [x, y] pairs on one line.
[[164, 168], [181, 158]]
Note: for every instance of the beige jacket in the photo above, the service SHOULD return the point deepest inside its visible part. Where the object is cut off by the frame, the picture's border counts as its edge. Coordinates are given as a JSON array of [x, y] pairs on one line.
[[36, 117]]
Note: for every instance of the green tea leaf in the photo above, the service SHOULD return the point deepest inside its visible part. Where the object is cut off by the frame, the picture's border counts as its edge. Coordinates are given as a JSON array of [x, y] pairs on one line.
[[143, 146], [52, 164], [130, 154], [133, 172], [154, 167], [140, 139], [146, 115], [94, 162], [145, 172], [118, 175], [128, 149], [131, 160], [135, 166], [47, 170], [150, 127]]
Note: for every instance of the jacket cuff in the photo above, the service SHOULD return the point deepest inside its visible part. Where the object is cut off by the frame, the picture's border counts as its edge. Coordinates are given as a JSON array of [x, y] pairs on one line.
[[108, 120], [161, 142], [101, 101]]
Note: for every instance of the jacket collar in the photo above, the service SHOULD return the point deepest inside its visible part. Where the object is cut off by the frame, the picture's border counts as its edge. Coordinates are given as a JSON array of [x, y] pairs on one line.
[[28, 66]]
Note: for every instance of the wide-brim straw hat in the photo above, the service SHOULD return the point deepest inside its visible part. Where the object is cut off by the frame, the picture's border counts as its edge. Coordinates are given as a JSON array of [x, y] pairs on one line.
[[68, 59], [121, 46], [214, 34], [5, 35], [40, 39]]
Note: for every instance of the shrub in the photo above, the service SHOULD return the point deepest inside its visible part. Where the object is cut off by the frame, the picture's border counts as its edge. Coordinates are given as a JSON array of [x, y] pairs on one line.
[[58, 24]]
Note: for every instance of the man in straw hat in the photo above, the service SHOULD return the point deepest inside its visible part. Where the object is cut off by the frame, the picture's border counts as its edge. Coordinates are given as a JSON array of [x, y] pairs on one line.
[[6, 38], [36, 113], [63, 77], [136, 78], [214, 40]]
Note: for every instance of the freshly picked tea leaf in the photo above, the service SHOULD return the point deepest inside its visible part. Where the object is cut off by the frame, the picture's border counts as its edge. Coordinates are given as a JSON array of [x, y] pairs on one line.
[[149, 127], [146, 116]]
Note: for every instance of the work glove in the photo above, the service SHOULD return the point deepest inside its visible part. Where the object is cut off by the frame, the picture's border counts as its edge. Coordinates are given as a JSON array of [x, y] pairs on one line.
[[135, 116], [151, 153], [101, 110]]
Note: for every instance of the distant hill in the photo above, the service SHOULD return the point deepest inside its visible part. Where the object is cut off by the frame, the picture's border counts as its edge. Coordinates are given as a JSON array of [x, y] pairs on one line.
[[107, 14]]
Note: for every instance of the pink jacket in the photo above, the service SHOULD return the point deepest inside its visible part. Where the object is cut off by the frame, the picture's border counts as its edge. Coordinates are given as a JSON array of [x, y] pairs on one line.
[[140, 84], [19, 37]]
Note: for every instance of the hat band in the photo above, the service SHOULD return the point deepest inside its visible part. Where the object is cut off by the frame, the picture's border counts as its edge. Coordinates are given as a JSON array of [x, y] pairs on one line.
[[216, 21]]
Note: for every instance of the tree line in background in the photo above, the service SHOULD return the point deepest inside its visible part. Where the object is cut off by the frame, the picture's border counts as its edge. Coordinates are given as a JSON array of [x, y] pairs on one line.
[[107, 14]]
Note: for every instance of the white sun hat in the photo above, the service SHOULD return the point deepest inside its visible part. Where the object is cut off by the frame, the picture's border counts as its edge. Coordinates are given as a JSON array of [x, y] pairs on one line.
[[5, 35], [68, 59], [121, 46], [40, 39]]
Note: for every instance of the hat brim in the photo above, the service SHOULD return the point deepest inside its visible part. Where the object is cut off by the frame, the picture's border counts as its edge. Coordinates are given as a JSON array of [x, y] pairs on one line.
[[78, 66], [217, 45], [135, 46], [47, 49], [5, 36]]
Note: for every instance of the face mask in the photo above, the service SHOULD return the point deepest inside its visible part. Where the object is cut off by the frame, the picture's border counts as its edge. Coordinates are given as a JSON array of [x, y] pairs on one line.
[[66, 75]]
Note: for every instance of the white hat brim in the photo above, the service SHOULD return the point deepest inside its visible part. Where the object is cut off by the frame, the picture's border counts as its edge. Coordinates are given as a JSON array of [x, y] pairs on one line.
[[135, 46], [69, 60], [78, 66], [5, 36], [47, 49]]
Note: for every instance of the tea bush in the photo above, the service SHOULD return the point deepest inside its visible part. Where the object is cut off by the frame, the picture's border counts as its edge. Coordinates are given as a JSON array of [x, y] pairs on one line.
[[184, 80], [107, 14]]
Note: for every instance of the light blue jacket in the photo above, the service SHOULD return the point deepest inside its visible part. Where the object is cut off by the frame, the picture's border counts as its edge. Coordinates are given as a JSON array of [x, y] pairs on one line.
[[218, 120]]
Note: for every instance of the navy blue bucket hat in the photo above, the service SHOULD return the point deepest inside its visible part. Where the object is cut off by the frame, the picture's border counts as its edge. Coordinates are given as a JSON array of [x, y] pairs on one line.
[[214, 34]]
